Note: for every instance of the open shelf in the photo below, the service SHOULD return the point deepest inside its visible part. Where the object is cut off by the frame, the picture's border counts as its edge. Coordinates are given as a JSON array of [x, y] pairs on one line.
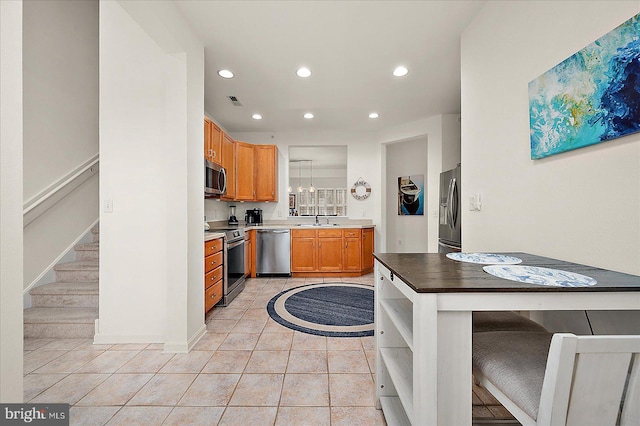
[[393, 411], [400, 312], [399, 363]]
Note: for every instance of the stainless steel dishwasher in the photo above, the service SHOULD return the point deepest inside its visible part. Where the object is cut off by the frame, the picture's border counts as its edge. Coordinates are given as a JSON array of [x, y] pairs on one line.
[[273, 252]]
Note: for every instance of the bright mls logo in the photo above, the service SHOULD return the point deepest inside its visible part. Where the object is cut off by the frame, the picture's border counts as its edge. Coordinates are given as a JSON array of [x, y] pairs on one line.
[[39, 414]]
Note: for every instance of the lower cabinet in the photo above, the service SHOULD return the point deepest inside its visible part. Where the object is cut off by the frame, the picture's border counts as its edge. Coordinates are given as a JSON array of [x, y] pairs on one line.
[[327, 251], [213, 273], [248, 252], [330, 250], [367, 250]]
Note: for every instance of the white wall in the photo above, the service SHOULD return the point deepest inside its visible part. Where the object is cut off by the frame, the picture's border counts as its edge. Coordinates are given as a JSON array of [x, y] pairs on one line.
[[11, 344], [405, 234], [60, 70], [151, 109], [581, 206], [60, 89]]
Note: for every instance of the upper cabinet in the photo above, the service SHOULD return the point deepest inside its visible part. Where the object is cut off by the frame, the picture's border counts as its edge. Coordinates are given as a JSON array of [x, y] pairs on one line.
[[266, 172], [252, 170], [245, 190], [229, 163], [212, 141]]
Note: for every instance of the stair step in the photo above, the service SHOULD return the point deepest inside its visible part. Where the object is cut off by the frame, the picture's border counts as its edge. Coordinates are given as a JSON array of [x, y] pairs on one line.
[[61, 294], [60, 322], [96, 233], [78, 271], [89, 251]]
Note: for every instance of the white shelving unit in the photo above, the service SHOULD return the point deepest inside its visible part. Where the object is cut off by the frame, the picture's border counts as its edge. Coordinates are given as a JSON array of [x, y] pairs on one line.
[[307, 203], [395, 387], [323, 201]]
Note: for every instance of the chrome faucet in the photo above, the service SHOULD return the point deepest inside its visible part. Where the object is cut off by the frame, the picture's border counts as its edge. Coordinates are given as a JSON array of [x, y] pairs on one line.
[[317, 223]]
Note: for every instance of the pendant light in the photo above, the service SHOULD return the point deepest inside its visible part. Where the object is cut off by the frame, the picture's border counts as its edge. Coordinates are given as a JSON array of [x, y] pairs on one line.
[[299, 178], [311, 188]]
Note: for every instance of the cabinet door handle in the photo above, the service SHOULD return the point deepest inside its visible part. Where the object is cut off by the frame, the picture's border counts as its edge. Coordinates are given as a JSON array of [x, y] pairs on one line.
[[346, 245]]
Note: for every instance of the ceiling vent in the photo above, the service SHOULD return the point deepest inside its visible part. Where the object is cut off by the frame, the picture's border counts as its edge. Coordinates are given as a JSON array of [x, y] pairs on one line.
[[234, 100]]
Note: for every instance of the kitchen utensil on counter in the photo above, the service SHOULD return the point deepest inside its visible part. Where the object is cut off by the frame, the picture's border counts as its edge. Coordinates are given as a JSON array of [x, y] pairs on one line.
[[232, 217], [253, 217]]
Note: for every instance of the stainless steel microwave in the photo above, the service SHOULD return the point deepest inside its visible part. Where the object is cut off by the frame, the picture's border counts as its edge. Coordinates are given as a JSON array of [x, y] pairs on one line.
[[215, 179]]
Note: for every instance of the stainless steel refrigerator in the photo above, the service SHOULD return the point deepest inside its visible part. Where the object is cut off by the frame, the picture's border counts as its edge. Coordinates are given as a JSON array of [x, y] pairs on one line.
[[450, 230]]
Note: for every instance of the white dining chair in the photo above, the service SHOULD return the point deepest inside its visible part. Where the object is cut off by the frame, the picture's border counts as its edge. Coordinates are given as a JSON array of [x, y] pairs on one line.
[[561, 379]]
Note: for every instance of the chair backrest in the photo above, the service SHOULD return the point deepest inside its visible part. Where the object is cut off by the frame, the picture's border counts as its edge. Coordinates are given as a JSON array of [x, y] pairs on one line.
[[591, 380]]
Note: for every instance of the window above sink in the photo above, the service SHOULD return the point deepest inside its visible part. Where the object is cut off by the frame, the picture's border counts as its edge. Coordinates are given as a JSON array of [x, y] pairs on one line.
[[318, 181]]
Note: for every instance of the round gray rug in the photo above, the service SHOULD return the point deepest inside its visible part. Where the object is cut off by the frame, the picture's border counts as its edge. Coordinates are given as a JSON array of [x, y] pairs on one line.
[[326, 309]]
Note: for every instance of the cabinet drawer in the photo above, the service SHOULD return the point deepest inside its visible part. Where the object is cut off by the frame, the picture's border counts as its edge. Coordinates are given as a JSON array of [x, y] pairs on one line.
[[212, 295], [329, 233], [212, 246], [351, 233], [212, 262], [303, 233], [212, 277]]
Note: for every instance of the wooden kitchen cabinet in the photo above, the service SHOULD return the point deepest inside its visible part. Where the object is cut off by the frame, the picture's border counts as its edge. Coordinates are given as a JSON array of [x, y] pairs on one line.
[[212, 141], [257, 172], [229, 164], [352, 254], [248, 252], [266, 172], [327, 252], [213, 272], [367, 250], [303, 250], [245, 166]]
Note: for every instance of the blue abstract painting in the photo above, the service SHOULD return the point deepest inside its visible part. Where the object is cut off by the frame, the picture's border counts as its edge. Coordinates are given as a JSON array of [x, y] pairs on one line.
[[591, 97]]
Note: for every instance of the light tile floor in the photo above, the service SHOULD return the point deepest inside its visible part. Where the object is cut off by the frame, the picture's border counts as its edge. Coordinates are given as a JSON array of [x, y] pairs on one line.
[[247, 370]]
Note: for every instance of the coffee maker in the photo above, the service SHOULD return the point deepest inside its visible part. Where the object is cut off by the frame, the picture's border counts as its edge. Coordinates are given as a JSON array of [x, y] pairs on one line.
[[253, 217]]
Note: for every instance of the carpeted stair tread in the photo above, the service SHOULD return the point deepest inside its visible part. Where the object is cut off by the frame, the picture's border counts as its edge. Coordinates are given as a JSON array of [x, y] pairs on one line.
[[78, 265], [60, 315], [87, 246], [66, 288]]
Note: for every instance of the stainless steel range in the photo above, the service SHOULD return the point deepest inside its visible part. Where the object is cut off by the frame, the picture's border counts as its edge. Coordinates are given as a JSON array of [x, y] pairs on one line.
[[233, 259]]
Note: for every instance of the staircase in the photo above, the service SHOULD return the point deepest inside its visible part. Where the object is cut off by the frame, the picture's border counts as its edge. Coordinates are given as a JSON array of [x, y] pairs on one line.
[[68, 307]]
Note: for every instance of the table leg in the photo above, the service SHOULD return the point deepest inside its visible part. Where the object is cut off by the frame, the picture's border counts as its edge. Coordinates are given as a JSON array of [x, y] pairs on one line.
[[454, 368]]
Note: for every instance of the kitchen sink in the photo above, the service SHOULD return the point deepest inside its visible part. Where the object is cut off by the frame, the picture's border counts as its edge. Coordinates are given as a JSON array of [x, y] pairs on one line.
[[318, 225]]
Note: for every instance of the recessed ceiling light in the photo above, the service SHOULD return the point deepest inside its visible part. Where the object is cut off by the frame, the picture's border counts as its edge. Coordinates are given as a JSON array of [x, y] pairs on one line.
[[256, 117], [308, 115], [374, 115], [225, 74], [400, 71], [303, 72]]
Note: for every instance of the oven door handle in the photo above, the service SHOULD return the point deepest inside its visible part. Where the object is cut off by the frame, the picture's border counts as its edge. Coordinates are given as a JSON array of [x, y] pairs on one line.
[[235, 244]]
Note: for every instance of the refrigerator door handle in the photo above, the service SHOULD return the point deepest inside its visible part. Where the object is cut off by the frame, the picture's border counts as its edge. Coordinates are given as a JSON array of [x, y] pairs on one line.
[[449, 201], [454, 203]]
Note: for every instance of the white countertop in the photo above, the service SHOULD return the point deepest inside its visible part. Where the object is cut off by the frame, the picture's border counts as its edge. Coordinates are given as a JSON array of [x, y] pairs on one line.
[[213, 235]]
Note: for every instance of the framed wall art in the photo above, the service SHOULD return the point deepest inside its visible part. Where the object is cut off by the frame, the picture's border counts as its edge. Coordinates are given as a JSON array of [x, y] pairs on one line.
[[411, 195], [591, 97]]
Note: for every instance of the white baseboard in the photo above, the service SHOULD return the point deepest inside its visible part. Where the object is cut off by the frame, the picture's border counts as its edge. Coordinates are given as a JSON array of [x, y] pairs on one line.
[[179, 347], [115, 339], [169, 347]]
